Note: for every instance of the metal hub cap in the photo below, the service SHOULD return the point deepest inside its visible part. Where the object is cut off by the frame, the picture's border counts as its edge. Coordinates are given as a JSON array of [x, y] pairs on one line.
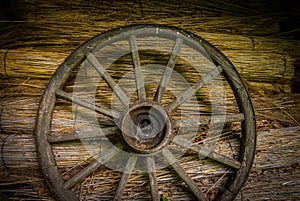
[[146, 127]]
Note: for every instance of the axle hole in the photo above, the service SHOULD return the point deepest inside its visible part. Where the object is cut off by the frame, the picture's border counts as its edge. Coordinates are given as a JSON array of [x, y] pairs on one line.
[[146, 126]]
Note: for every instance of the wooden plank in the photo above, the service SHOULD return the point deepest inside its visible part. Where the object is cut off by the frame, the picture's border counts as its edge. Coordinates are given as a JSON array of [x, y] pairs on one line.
[[93, 166], [54, 138], [102, 71], [125, 176], [205, 152], [137, 68], [204, 119], [187, 94], [168, 71], [183, 175], [86, 104], [152, 179]]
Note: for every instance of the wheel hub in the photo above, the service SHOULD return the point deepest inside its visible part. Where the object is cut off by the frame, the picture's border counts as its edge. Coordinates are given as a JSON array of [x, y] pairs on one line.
[[146, 127]]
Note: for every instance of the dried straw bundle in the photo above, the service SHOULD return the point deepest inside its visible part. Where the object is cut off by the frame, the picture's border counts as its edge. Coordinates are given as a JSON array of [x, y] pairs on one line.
[[206, 15], [270, 155], [54, 29], [254, 65], [30, 62]]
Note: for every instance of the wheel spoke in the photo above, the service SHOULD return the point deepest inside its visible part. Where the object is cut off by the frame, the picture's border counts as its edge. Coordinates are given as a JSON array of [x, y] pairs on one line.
[[137, 68], [185, 177], [117, 44], [113, 85], [168, 71], [203, 151], [125, 176], [217, 182], [152, 179], [86, 104], [217, 119], [187, 94], [54, 138], [101, 158]]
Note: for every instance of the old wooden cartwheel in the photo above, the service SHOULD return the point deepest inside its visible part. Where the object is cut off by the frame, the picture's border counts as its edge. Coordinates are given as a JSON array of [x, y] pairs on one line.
[[146, 100]]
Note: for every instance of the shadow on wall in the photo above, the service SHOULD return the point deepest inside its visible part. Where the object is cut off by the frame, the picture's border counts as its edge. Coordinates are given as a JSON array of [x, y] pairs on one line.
[[296, 79], [11, 10]]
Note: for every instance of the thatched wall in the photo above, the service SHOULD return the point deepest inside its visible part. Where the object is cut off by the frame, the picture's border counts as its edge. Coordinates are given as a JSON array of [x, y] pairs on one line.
[[62, 26], [275, 169], [31, 48]]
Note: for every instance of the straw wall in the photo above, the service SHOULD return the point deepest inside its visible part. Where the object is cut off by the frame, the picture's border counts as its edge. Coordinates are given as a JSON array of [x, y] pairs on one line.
[[35, 47], [31, 50], [273, 170]]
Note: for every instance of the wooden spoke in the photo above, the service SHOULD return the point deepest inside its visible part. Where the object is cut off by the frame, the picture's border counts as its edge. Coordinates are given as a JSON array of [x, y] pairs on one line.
[[113, 85], [186, 95], [168, 71], [217, 182], [137, 68], [102, 158], [137, 118], [184, 176], [152, 179], [54, 138], [86, 104], [203, 151], [125, 176], [217, 119]]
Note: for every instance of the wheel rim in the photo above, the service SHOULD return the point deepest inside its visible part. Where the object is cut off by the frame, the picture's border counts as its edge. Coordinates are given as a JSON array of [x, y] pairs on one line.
[[140, 116]]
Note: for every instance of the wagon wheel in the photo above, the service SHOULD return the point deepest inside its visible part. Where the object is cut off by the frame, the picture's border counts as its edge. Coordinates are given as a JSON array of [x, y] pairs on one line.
[[147, 99]]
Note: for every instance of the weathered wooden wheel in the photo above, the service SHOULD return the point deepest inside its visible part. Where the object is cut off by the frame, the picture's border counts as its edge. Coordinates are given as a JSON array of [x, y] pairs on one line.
[[136, 100]]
